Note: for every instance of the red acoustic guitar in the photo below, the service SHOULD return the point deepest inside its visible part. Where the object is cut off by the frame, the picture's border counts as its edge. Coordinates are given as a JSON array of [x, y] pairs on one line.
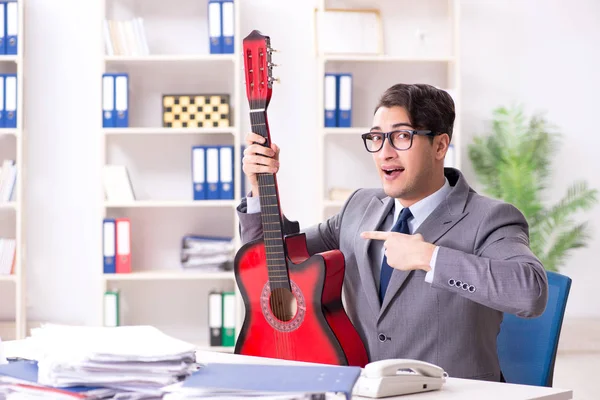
[[293, 300]]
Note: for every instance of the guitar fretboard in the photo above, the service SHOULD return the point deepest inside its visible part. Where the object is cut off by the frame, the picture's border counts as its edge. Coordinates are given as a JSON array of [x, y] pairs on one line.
[[271, 214]]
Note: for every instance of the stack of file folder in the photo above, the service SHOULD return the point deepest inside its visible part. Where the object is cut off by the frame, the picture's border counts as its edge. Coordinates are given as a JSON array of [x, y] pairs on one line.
[[128, 358], [207, 253]]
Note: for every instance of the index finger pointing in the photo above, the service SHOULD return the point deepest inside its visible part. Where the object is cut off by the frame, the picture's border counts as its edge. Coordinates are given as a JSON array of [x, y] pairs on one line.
[[377, 235]]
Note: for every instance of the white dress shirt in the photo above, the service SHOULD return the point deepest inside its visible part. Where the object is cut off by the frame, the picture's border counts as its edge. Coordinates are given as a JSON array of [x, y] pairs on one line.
[[420, 211]]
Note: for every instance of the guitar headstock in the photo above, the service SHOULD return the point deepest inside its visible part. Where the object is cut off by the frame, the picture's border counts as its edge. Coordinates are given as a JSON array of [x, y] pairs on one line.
[[258, 69]]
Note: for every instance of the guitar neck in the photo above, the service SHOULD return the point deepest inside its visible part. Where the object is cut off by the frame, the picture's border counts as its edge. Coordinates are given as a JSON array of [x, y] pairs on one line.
[[270, 211]]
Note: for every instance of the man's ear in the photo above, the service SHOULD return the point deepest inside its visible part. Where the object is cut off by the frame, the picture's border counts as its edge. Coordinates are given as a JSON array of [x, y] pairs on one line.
[[442, 143]]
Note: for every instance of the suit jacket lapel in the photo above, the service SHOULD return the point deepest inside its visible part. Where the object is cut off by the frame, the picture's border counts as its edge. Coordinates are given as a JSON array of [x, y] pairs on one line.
[[375, 213], [444, 217], [438, 223]]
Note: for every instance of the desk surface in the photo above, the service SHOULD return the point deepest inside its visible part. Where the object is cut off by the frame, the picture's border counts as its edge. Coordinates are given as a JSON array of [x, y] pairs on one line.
[[453, 389]]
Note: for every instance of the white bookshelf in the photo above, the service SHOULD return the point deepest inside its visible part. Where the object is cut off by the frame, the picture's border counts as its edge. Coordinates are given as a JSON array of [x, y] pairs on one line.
[[167, 131], [9, 131], [11, 205], [383, 58], [13, 301], [172, 58], [159, 291], [168, 204], [8, 278], [420, 45], [10, 57], [169, 275]]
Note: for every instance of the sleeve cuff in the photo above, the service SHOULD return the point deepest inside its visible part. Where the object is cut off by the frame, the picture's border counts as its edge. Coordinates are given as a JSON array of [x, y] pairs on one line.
[[430, 273], [253, 205]]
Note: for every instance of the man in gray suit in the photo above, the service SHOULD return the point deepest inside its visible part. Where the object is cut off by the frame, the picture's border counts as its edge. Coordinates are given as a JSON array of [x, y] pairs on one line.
[[431, 266]]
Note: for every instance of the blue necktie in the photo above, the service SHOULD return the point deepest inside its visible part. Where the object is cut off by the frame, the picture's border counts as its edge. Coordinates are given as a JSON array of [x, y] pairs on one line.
[[386, 271]]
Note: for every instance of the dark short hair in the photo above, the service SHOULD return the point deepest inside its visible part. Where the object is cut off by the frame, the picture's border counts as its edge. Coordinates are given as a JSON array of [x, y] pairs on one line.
[[428, 107]]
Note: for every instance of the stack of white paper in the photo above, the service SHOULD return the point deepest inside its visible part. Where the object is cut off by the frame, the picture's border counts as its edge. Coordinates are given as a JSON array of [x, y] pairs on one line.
[[136, 358]]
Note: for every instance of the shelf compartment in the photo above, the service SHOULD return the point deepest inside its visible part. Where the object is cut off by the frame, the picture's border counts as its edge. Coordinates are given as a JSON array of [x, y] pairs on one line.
[[158, 275], [9, 58], [9, 131], [385, 58], [8, 278], [168, 58], [172, 203], [168, 131], [11, 205]]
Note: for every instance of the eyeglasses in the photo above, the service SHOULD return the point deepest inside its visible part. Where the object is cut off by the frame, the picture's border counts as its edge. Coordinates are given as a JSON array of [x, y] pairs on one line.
[[400, 140]]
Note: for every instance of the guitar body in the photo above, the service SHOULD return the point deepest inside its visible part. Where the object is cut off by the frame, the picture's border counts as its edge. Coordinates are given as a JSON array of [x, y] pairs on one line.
[[312, 325], [293, 302]]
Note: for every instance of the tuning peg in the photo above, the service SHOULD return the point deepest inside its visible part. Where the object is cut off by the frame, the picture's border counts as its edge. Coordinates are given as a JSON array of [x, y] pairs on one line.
[[274, 80], [274, 65], [273, 50]]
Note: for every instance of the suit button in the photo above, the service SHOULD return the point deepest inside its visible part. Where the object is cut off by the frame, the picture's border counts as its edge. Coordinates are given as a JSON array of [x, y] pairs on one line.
[[465, 286], [451, 282], [381, 337], [471, 288], [458, 284]]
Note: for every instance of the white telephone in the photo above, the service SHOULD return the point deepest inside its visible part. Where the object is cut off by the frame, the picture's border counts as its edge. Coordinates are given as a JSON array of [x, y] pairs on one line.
[[395, 377]]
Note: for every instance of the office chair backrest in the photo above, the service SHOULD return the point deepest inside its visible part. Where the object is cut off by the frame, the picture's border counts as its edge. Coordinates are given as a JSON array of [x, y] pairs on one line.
[[527, 346]]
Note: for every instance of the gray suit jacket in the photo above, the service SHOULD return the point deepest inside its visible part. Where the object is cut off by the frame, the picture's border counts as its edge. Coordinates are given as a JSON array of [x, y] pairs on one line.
[[484, 268]]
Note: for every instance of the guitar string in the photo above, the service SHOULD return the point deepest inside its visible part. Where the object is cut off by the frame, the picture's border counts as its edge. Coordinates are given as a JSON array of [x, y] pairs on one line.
[[282, 344]]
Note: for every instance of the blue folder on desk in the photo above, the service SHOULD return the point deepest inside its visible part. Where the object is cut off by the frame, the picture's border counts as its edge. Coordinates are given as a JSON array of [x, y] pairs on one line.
[[28, 371], [275, 378], [24, 370]]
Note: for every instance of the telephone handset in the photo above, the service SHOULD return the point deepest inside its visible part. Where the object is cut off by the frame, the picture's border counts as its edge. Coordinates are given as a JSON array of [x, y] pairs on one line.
[[395, 377]]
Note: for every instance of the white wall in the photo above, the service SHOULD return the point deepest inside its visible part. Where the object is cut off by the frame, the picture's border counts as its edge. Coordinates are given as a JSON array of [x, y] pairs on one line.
[[62, 99], [542, 53], [538, 52]]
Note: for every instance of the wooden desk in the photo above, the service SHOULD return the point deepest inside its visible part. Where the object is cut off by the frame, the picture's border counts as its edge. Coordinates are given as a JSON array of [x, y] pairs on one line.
[[453, 389]]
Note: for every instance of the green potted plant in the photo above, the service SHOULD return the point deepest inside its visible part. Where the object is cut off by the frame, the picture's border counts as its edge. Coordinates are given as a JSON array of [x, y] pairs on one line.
[[513, 163]]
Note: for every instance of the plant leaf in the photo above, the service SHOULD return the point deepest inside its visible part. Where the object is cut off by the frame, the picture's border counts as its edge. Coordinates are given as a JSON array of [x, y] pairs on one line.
[[513, 163], [565, 241]]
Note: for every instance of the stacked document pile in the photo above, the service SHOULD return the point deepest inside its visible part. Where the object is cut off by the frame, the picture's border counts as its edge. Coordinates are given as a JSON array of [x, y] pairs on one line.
[[138, 359], [128, 357], [207, 253], [18, 380]]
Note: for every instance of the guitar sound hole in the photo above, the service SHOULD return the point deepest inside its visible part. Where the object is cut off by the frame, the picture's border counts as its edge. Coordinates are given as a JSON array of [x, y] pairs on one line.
[[283, 304]]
